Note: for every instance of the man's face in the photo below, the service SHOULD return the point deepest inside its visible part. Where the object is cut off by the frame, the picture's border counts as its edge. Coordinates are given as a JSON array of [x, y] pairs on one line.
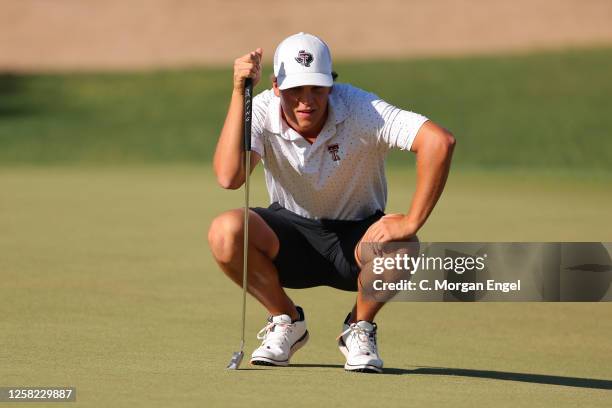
[[305, 108]]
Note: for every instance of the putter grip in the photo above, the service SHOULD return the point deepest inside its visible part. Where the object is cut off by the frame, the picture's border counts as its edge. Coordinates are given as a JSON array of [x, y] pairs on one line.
[[248, 100]]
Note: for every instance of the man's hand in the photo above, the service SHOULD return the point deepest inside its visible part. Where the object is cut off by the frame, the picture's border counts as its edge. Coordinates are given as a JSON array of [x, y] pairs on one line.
[[247, 66], [228, 161], [391, 227]]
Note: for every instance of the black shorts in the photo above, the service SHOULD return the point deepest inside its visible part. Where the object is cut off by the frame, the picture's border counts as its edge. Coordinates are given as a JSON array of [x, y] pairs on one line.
[[315, 252]]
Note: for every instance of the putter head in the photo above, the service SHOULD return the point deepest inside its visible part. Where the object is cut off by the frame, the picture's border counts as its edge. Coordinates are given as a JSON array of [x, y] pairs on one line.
[[236, 360]]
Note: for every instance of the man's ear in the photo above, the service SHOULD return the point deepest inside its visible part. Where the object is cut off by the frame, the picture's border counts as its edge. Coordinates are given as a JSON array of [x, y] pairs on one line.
[[275, 87]]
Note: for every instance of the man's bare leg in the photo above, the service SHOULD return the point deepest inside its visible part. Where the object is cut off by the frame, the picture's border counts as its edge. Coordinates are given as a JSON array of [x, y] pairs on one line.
[[225, 238], [358, 341], [365, 307]]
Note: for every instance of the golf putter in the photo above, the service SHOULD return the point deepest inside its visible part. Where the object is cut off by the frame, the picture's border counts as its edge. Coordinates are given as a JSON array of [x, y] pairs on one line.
[[248, 97]]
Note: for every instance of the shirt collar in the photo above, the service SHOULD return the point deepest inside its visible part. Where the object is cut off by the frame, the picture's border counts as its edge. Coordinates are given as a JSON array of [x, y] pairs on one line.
[[274, 121]]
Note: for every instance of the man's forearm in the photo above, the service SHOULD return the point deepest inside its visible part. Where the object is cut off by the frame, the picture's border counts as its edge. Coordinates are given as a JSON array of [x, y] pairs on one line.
[[433, 165], [227, 162]]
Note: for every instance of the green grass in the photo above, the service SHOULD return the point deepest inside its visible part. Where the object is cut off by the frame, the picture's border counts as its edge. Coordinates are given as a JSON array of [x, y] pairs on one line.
[[107, 285], [547, 110]]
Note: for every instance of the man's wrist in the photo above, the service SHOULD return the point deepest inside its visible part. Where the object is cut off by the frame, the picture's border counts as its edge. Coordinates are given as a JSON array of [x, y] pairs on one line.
[[411, 225]]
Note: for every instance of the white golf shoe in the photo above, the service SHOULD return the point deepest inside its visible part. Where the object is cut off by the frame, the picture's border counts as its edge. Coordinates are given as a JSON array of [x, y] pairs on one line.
[[281, 338], [358, 344]]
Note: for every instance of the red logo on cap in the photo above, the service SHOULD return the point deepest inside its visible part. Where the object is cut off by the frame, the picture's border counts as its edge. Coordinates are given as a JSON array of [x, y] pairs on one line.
[[304, 58]]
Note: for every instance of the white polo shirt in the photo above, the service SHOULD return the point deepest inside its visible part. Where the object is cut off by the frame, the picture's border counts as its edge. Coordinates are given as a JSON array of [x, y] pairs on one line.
[[341, 175]]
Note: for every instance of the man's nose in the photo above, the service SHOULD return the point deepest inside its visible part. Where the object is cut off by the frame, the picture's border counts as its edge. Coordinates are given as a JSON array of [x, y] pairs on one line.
[[306, 97]]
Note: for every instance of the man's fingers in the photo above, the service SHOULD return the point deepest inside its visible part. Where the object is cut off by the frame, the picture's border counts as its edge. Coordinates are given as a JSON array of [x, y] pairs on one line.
[[248, 69], [246, 64], [252, 57], [374, 234], [368, 236], [377, 232], [249, 65], [244, 73], [255, 56]]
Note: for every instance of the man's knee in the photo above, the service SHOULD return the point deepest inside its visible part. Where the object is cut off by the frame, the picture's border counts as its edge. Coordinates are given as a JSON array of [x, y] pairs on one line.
[[366, 252], [225, 236], [387, 265]]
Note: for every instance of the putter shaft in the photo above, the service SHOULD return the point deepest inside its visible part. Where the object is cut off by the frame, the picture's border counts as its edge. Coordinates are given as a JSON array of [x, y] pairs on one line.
[[246, 242], [248, 95]]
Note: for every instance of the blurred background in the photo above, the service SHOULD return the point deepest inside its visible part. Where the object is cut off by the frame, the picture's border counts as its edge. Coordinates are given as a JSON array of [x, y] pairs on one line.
[[522, 85], [109, 114]]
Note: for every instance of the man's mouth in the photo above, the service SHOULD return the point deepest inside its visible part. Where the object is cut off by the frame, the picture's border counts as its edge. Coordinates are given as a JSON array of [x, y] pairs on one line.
[[305, 113]]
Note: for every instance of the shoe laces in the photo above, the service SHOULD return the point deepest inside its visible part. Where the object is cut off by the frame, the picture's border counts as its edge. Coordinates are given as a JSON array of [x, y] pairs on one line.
[[275, 333], [365, 339]]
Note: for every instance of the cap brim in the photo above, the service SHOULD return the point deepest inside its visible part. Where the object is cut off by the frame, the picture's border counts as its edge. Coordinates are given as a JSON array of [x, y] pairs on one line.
[[305, 79]]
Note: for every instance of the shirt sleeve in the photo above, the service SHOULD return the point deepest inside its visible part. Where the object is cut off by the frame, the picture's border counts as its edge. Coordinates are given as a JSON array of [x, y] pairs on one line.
[[260, 109], [394, 127]]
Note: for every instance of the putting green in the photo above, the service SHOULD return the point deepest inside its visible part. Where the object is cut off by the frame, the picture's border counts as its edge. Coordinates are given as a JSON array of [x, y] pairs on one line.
[[107, 285]]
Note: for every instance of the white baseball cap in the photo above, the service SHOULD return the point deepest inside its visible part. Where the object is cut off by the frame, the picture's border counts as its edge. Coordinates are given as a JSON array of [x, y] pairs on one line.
[[302, 59]]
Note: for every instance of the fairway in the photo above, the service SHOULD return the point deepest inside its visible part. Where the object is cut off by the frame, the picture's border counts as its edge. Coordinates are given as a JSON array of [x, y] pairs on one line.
[[108, 286]]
